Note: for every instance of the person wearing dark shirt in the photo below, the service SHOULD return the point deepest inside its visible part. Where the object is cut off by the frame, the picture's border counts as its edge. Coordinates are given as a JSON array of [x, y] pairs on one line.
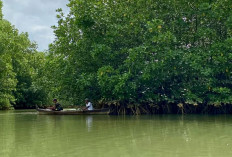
[[57, 106]]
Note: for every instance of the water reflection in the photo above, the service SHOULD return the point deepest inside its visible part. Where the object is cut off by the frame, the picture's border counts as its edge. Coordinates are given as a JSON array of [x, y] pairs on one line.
[[35, 135], [89, 122]]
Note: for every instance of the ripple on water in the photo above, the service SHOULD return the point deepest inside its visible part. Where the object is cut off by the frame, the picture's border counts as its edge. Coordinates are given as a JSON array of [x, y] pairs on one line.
[[29, 134]]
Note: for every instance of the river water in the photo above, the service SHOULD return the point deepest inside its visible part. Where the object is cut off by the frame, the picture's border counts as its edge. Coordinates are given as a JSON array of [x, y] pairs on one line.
[[26, 134]]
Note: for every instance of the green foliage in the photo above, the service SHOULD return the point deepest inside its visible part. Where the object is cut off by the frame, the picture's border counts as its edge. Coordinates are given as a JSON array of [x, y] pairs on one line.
[[20, 65], [8, 82], [1, 10], [7, 75], [133, 54], [139, 52]]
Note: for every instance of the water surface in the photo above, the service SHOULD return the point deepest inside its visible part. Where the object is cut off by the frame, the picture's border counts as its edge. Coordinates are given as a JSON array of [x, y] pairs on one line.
[[26, 134]]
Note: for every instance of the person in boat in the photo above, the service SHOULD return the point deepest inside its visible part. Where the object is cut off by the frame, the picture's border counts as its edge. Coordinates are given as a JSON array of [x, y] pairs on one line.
[[88, 105], [57, 106]]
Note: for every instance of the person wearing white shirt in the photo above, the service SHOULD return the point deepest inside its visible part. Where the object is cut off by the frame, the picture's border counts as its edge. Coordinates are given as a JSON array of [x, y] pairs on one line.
[[88, 104]]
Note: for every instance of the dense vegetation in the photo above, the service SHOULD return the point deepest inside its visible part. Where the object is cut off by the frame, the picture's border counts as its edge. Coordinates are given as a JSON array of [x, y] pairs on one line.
[[20, 67], [137, 57]]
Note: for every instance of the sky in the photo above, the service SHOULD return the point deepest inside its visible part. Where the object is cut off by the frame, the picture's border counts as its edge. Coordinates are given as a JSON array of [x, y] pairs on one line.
[[35, 17]]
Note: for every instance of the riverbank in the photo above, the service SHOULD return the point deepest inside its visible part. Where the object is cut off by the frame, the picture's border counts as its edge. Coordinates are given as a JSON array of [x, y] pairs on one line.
[[163, 108], [181, 108]]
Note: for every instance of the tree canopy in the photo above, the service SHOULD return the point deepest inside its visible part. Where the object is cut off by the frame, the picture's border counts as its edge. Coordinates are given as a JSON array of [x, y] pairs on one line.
[[145, 52], [19, 68], [138, 56]]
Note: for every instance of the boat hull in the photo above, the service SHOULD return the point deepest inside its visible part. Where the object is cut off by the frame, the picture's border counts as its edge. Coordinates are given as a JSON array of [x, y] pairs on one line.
[[73, 112]]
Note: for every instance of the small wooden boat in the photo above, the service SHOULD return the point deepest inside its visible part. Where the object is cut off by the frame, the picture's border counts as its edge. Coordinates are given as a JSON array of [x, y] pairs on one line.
[[104, 111]]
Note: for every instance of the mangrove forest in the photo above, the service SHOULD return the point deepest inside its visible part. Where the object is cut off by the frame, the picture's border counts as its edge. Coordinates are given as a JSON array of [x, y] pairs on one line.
[[134, 56]]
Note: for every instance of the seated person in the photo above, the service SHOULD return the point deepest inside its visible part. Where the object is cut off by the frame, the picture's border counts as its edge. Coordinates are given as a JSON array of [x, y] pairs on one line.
[[57, 106], [89, 105]]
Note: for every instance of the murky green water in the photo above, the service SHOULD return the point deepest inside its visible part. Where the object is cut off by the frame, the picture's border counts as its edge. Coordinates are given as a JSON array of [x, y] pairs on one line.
[[26, 134]]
